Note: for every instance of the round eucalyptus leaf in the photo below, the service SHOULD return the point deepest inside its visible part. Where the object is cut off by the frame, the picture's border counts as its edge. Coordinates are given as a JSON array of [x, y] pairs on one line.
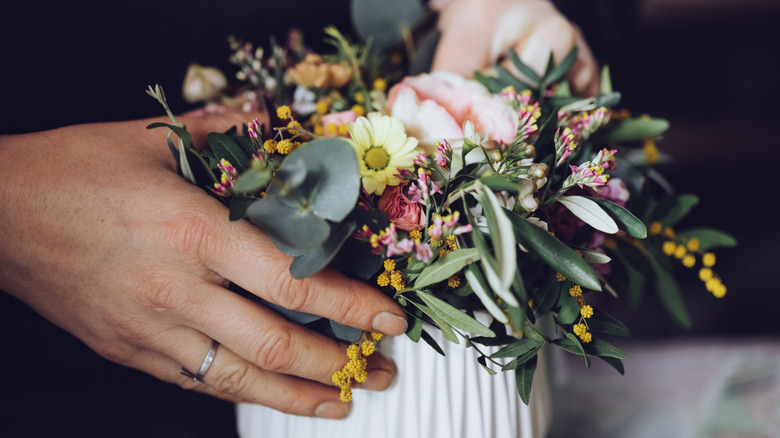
[[332, 182], [313, 260], [383, 21], [289, 226], [345, 332], [292, 315], [251, 180], [292, 173]]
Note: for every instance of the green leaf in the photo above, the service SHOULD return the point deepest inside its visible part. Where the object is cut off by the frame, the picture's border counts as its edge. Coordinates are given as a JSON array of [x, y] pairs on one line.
[[454, 316], [636, 129], [570, 309], [603, 348], [709, 238], [288, 225], [524, 68], [505, 78], [479, 285], [602, 322], [383, 22], [445, 328], [614, 363], [516, 349], [238, 206], [180, 131], [432, 342], [560, 70], [224, 146], [332, 182], [625, 220], [573, 345], [498, 183], [251, 180], [669, 293], [590, 213], [524, 376], [501, 232], [415, 328], [446, 267], [674, 208], [553, 252], [315, 259], [345, 332], [606, 80], [482, 361]]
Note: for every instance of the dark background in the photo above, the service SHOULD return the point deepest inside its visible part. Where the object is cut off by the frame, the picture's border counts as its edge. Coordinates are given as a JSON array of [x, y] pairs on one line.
[[708, 67]]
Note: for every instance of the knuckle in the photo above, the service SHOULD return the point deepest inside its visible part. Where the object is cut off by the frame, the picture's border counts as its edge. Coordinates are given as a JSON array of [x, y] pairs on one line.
[[115, 351], [276, 351], [291, 293], [194, 233], [159, 292], [234, 380]]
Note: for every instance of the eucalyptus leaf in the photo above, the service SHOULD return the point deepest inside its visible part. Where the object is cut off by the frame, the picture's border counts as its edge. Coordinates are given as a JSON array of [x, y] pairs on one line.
[[553, 252], [332, 182], [590, 213], [709, 238], [454, 316], [446, 267], [315, 259], [287, 225], [383, 22], [625, 220], [524, 376], [251, 180], [291, 315], [238, 206], [224, 146], [636, 129], [345, 332]]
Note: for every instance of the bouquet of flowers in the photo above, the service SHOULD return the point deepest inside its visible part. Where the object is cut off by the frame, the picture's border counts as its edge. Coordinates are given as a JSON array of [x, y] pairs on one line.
[[489, 209]]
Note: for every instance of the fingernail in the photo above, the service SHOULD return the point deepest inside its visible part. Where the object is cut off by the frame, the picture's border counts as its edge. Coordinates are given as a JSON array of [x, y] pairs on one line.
[[334, 410], [389, 324], [378, 380]]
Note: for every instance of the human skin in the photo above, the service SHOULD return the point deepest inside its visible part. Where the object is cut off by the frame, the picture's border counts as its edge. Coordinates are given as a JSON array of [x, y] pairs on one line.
[[102, 237], [477, 33]]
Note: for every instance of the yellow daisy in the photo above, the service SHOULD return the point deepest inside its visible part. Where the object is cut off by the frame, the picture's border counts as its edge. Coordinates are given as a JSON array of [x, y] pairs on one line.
[[382, 148]]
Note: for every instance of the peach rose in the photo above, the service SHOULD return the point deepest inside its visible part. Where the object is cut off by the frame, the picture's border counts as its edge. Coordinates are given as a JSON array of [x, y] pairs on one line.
[[434, 107], [405, 214], [337, 120]]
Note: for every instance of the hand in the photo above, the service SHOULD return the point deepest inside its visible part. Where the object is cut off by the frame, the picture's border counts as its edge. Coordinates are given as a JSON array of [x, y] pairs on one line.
[[475, 33], [103, 238]]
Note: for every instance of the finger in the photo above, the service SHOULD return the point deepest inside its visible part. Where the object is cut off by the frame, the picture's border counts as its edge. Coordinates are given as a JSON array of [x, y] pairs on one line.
[[240, 252], [263, 337], [584, 77], [460, 51]]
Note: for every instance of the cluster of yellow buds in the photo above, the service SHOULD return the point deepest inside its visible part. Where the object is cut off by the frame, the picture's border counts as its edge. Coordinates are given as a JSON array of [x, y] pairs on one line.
[[688, 251], [279, 144], [391, 276], [356, 367], [586, 310]]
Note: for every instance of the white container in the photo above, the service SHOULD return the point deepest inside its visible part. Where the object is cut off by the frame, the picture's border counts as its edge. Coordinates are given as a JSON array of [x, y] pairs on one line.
[[433, 396]]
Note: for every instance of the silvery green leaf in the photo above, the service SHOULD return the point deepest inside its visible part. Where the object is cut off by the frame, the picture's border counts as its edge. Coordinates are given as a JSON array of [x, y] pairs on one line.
[[445, 328], [481, 290], [606, 80], [590, 213], [290, 226], [345, 332], [332, 182], [251, 180], [595, 257], [515, 349], [502, 237], [454, 316], [184, 164], [446, 267], [383, 22], [313, 260], [636, 129]]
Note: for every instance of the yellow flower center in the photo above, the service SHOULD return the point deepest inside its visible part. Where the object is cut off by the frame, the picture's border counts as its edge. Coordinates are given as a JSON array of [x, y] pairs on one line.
[[376, 158]]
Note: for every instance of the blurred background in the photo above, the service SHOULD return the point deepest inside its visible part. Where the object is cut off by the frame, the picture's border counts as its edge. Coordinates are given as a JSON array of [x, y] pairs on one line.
[[708, 66]]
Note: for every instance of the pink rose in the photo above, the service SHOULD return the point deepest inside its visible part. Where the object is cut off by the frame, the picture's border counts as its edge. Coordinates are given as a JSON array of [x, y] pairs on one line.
[[405, 214], [435, 106], [337, 119]]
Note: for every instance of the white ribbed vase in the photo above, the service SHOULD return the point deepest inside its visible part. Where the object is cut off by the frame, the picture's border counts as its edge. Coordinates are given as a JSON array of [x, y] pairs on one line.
[[433, 396]]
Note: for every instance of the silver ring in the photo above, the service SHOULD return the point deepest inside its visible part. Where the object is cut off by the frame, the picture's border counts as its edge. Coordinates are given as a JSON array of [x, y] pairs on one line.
[[205, 366]]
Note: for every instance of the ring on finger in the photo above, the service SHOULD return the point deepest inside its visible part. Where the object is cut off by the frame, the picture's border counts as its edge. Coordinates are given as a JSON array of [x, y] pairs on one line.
[[204, 366]]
